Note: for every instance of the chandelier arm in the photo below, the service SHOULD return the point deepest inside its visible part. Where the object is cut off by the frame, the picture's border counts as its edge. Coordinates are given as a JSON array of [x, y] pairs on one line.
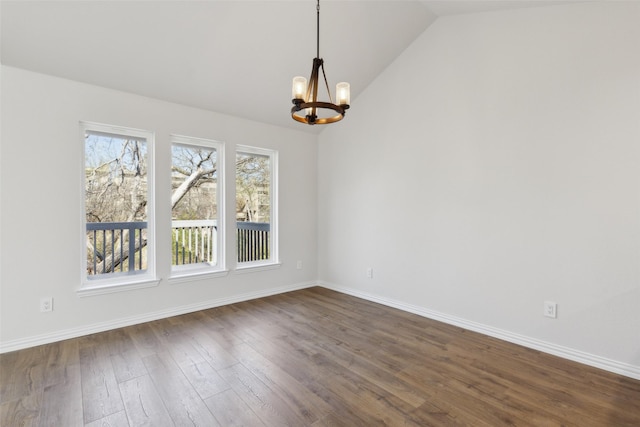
[[312, 89], [326, 83], [315, 86], [312, 78]]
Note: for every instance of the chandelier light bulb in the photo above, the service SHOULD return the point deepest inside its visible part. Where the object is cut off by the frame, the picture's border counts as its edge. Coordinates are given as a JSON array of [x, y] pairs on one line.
[[343, 93], [299, 88]]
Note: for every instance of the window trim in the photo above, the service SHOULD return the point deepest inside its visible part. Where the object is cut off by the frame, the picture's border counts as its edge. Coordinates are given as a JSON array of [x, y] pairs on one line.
[[119, 283], [198, 271], [274, 258]]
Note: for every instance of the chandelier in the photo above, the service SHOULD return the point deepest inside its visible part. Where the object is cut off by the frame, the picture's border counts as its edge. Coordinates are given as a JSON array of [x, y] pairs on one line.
[[306, 107]]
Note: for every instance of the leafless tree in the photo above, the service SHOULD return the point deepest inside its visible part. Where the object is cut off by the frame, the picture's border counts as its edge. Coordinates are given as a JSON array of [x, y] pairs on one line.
[[116, 188], [253, 177]]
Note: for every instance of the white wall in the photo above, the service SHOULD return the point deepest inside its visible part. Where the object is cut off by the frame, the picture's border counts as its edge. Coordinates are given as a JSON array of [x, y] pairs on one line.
[[493, 166], [41, 200]]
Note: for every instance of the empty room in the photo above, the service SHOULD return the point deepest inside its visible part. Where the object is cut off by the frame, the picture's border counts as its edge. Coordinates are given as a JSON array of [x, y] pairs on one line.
[[319, 213]]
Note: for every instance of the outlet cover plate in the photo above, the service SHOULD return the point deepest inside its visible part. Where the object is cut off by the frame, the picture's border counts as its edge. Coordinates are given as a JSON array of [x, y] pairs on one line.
[[550, 309], [46, 304]]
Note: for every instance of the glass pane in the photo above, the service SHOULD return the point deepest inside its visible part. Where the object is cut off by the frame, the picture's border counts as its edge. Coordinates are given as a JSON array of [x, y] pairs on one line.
[[194, 207], [253, 206], [115, 203]]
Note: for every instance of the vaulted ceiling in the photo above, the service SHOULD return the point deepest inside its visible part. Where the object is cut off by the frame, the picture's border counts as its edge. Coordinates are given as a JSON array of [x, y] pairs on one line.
[[232, 57]]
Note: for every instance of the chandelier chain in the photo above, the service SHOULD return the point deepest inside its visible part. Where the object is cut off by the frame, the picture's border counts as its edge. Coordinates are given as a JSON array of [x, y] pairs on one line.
[[318, 29]]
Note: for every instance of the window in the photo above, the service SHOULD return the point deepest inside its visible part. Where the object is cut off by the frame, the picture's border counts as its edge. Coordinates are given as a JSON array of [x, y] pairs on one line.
[[118, 207], [196, 189], [256, 207]]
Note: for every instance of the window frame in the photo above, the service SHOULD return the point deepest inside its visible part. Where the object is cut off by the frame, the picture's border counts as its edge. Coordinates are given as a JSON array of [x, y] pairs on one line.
[[117, 283], [274, 257], [195, 271]]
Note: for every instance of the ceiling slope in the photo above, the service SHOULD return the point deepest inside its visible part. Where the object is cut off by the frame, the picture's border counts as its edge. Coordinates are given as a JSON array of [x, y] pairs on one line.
[[232, 57]]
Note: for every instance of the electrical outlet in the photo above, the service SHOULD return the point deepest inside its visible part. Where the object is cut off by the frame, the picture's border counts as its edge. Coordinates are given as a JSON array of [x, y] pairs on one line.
[[370, 273], [46, 304], [550, 309], [299, 265]]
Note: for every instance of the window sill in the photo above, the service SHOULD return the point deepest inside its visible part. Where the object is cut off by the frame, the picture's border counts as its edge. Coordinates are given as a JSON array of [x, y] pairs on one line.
[[109, 288], [195, 275], [253, 267]]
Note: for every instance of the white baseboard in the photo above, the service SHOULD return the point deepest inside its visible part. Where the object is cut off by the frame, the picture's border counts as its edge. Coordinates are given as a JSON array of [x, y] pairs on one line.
[[614, 366], [147, 317]]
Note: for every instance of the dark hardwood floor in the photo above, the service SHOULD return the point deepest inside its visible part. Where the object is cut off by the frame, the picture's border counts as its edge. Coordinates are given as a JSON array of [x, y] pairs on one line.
[[307, 358]]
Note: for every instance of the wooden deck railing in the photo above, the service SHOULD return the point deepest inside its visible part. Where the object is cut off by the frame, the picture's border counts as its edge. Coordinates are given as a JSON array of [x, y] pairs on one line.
[[109, 244], [252, 239]]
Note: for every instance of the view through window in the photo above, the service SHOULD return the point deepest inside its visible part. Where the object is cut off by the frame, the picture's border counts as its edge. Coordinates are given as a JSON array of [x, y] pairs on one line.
[[195, 203], [119, 228], [116, 169], [255, 211]]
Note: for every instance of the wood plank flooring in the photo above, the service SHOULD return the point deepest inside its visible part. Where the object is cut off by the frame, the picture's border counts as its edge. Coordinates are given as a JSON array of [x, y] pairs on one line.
[[307, 358]]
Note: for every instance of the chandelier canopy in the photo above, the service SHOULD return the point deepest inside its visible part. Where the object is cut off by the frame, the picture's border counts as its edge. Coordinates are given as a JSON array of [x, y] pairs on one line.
[[306, 107]]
